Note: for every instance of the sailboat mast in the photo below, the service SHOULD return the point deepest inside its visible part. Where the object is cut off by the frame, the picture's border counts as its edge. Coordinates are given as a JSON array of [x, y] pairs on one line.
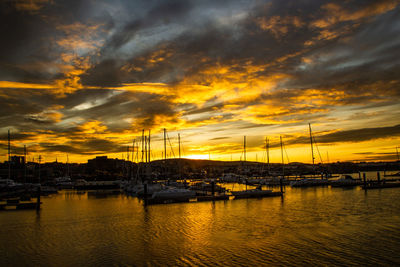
[[25, 163], [179, 142], [137, 151], [133, 150], [165, 153], [312, 147], [133, 159], [165, 144], [68, 166], [145, 149], [127, 153], [267, 150], [9, 146], [283, 163], [180, 163], [9, 155], [244, 148], [142, 145], [149, 152], [40, 159]]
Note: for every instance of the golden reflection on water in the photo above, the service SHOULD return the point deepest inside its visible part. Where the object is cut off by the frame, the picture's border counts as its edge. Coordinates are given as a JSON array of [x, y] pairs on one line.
[[319, 226]]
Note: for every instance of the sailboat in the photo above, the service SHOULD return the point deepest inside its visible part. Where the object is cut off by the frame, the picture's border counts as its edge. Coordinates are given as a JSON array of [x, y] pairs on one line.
[[253, 193], [345, 181], [310, 181]]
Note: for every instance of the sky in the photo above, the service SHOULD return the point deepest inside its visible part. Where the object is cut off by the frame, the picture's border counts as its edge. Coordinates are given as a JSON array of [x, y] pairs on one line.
[[84, 78]]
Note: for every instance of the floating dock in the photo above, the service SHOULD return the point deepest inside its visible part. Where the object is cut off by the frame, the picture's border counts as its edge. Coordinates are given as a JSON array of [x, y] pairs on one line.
[[380, 186], [15, 204]]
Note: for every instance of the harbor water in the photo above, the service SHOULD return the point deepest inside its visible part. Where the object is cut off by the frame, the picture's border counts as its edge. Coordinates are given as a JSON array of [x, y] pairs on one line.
[[309, 226]]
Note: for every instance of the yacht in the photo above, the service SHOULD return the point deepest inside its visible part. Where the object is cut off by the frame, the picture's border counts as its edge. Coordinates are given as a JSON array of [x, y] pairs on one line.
[[309, 182], [345, 180]]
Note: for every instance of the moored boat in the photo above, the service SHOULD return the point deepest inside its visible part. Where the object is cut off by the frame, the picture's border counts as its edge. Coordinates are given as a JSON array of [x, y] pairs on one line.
[[345, 181], [309, 182], [171, 195], [255, 193]]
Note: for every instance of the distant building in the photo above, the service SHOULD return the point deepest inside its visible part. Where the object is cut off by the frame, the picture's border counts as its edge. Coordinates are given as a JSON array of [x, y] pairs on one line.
[[17, 160]]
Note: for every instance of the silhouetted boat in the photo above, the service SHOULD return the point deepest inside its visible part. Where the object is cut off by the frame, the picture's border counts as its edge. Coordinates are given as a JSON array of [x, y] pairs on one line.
[[63, 182], [309, 182], [88, 185], [344, 181], [255, 193], [138, 189], [171, 195]]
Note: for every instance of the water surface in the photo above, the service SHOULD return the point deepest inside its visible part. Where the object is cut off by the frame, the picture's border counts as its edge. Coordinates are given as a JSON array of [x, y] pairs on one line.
[[318, 226]]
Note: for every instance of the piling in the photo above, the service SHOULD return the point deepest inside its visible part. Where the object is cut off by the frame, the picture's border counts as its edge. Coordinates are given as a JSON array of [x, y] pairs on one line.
[[365, 181], [145, 192], [379, 177], [213, 187], [145, 189], [38, 199], [281, 185]]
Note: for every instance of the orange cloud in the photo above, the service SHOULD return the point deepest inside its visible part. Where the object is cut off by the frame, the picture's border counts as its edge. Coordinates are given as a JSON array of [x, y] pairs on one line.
[[7, 84], [92, 127], [31, 5], [337, 13], [279, 26]]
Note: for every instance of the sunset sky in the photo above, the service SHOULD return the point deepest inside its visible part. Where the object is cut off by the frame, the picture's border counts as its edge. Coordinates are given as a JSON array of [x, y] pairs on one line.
[[84, 78]]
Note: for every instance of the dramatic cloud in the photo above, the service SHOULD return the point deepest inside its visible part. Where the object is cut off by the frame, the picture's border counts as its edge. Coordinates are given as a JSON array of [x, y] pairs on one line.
[[85, 77]]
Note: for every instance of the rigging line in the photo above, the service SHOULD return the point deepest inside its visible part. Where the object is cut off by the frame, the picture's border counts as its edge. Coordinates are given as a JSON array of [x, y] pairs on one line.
[[183, 150], [262, 161], [263, 157], [315, 142], [171, 146], [287, 156]]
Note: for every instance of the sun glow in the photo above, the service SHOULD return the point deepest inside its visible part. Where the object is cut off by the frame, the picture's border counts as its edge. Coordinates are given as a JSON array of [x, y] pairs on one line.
[[197, 156]]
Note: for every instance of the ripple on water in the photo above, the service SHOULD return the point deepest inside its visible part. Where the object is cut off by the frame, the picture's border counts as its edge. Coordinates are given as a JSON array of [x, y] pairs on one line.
[[319, 226]]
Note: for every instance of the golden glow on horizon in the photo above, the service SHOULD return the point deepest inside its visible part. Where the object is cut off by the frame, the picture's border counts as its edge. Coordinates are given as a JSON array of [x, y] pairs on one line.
[[198, 156], [213, 104]]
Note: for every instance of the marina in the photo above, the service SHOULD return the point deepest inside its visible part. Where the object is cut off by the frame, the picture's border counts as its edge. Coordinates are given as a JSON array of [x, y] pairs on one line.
[[199, 133], [315, 225]]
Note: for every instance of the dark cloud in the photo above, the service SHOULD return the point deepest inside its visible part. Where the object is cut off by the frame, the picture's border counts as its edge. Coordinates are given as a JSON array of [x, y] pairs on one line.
[[370, 68], [15, 136], [29, 50], [26, 112], [144, 107], [349, 56], [356, 135], [373, 156], [164, 12], [106, 73], [23, 45], [91, 146]]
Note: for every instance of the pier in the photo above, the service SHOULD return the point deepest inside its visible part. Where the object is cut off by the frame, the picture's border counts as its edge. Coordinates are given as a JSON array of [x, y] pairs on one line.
[[17, 204]]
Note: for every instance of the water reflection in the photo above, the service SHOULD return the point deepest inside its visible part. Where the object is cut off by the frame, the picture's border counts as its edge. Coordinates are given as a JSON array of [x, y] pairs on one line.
[[319, 226]]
